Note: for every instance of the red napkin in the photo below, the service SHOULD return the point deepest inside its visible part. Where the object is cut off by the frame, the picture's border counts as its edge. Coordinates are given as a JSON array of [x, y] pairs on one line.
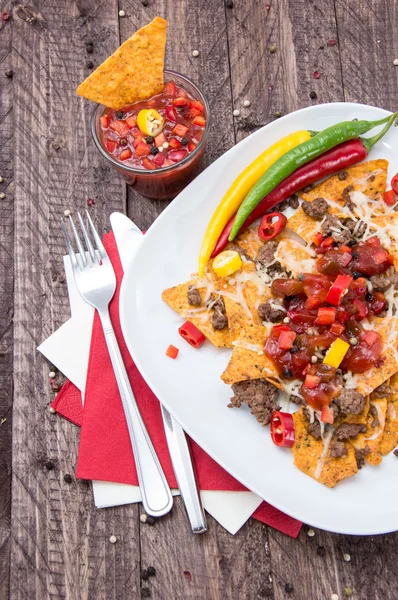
[[105, 452]]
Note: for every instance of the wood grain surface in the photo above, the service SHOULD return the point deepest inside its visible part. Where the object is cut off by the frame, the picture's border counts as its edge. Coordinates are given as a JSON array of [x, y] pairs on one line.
[[53, 542]]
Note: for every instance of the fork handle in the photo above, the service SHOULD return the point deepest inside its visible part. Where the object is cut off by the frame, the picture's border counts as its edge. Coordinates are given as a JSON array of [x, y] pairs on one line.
[[156, 496]]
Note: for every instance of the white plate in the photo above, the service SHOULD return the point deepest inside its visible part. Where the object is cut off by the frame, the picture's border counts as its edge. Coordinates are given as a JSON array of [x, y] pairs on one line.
[[190, 387]]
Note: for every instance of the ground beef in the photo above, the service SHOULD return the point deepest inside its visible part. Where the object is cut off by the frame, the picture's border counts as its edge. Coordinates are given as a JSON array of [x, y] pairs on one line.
[[265, 254], [336, 411], [260, 395], [316, 209], [384, 281], [219, 319], [330, 221], [313, 428], [342, 175], [360, 456], [194, 298], [338, 449], [348, 430], [296, 400], [351, 224], [373, 411], [267, 312], [239, 250], [346, 196], [275, 269], [350, 402], [292, 202], [383, 391]]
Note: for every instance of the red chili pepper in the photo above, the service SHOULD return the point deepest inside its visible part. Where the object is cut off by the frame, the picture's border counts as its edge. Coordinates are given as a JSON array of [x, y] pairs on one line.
[[172, 351], [394, 183], [335, 294], [326, 315], [317, 239], [343, 248], [339, 158], [286, 340], [389, 197], [337, 328], [362, 309], [271, 225], [325, 245], [327, 415], [191, 334], [282, 429], [278, 329]]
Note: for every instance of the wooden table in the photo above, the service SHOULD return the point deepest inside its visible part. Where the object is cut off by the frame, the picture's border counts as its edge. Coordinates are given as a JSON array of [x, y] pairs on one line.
[[53, 542]]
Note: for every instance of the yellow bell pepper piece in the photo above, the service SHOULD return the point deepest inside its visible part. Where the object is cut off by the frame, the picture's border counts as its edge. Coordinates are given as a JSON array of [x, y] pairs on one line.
[[336, 353], [150, 122], [239, 189], [226, 263]]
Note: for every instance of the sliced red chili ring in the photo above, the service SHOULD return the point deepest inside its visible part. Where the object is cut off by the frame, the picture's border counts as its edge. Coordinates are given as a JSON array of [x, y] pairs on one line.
[[282, 429], [394, 183], [271, 225], [191, 334]]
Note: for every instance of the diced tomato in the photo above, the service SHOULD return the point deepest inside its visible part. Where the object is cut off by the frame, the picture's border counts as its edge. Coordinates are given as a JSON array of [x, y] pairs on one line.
[[131, 121], [172, 351], [394, 183], [363, 357], [270, 225], [120, 126], [362, 309], [125, 154], [137, 132], [138, 139], [340, 285], [302, 316], [346, 258], [278, 329], [191, 146], [197, 105], [312, 302], [170, 113], [201, 121], [315, 287], [148, 164], [181, 102], [344, 248], [378, 303], [373, 241], [174, 143], [160, 140], [389, 197], [380, 256], [159, 159], [170, 88], [110, 145], [104, 120], [286, 340], [317, 239], [177, 155], [327, 415], [326, 315], [193, 112], [342, 315], [180, 130], [311, 381], [371, 337], [142, 149], [337, 328]]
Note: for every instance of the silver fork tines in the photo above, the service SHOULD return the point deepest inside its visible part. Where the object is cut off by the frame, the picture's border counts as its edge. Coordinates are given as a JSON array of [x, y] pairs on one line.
[[96, 281]]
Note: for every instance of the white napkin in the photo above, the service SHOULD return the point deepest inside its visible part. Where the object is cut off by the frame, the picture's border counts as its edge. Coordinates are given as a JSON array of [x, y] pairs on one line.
[[68, 349]]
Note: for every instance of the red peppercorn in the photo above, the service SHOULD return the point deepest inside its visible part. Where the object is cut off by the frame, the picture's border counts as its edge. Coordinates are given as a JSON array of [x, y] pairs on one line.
[[332, 42], [270, 88], [267, 7], [5, 16], [90, 202], [316, 75]]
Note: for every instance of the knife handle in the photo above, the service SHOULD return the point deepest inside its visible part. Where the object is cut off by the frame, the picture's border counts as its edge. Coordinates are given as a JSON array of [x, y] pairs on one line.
[[184, 471]]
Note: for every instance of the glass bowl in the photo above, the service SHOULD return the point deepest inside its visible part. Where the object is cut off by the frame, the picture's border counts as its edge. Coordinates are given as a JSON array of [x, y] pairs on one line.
[[167, 182]]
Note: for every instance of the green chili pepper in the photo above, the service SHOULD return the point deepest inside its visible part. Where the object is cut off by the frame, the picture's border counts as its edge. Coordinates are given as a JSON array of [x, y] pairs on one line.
[[300, 155]]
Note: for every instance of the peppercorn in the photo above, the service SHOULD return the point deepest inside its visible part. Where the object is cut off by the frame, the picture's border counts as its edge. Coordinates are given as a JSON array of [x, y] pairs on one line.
[[287, 373], [313, 95], [369, 297], [289, 588], [301, 277], [294, 349], [89, 64], [184, 141], [278, 114], [154, 150], [144, 574], [9, 74], [149, 139], [67, 478], [356, 275], [123, 142], [354, 255], [229, 4], [321, 551], [144, 2], [49, 465], [342, 175], [119, 114], [151, 571], [150, 520], [145, 592], [395, 453], [89, 47]]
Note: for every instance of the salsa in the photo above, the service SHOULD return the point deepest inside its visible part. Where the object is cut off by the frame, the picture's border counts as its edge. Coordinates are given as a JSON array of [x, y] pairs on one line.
[[155, 133], [328, 306]]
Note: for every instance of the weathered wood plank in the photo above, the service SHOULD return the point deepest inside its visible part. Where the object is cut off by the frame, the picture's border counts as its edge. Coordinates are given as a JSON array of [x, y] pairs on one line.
[[60, 543], [6, 299]]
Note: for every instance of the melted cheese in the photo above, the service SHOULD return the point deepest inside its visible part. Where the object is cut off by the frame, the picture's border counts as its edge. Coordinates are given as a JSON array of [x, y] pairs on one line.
[[327, 438], [382, 421], [247, 346]]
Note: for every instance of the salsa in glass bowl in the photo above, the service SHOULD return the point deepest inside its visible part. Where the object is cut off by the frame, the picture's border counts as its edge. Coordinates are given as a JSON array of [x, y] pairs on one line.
[[156, 144]]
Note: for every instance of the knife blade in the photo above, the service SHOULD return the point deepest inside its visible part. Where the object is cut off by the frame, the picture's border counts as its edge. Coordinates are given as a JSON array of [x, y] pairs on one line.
[[128, 237]]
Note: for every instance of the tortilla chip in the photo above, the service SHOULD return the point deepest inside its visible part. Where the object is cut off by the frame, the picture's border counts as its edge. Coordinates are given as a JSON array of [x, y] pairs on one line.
[[373, 435], [245, 362], [307, 451], [133, 72], [332, 189], [295, 257], [388, 329], [177, 298], [389, 440], [250, 241]]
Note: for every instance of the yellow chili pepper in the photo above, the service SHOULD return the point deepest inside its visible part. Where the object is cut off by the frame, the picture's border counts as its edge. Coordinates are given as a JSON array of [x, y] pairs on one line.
[[226, 263], [336, 353], [241, 187], [150, 122]]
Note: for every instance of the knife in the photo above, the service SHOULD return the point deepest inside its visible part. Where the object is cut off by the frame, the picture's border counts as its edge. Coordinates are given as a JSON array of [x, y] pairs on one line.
[[128, 237]]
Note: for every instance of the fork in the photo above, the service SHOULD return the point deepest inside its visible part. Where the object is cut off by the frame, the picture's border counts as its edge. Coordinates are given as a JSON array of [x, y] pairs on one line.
[[96, 282]]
